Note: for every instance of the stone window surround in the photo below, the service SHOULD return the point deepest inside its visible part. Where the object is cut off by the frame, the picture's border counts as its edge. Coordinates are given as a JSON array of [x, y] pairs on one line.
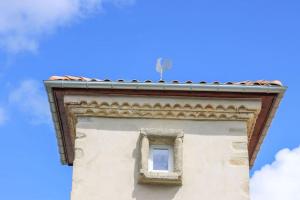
[[173, 137]]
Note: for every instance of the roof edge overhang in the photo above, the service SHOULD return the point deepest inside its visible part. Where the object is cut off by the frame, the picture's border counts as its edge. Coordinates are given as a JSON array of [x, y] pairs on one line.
[[164, 86], [271, 95]]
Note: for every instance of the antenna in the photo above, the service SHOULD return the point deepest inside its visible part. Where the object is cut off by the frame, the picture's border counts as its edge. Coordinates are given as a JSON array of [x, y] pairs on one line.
[[162, 65]]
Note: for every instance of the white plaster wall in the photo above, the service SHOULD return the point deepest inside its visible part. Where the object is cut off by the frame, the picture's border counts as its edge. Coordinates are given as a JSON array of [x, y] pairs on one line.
[[215, 160]]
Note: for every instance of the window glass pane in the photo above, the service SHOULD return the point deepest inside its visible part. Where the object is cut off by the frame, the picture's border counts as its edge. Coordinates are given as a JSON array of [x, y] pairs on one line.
[[160, 159]]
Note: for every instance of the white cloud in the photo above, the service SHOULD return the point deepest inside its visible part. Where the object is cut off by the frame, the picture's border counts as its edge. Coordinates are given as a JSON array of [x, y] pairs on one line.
[[30, 97], [24, 22], [279, 180], [3, 117]]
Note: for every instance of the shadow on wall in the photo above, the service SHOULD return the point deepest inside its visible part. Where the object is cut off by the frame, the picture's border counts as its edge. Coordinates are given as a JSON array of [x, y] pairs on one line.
[[146, 191], [189, 126]]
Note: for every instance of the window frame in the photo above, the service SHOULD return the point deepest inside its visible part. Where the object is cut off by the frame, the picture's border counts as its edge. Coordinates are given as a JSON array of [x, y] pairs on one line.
[[153, 136]]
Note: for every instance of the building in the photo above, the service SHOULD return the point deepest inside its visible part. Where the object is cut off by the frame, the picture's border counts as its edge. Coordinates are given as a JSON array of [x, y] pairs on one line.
[[160, 141]]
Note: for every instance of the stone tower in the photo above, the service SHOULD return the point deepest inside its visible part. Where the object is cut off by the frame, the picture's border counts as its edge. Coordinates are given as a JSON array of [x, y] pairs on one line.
[[160, 141]]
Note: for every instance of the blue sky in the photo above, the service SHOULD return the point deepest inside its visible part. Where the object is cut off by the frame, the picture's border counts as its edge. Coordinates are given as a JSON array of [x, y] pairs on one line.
[[121, 39]]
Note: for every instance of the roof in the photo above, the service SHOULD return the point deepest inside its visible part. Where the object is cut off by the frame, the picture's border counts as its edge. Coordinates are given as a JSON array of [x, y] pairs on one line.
[[248, 83], [270, 93]]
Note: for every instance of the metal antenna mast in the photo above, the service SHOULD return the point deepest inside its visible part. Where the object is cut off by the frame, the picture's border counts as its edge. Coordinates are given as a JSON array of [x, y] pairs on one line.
[[162, 65]]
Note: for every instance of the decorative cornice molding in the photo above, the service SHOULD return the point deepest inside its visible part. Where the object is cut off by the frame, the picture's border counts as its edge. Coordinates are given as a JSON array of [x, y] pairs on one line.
[[161, 111], [157, 110]]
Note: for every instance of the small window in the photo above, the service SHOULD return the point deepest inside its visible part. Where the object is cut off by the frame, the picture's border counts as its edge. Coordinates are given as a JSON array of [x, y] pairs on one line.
[[161, 158]]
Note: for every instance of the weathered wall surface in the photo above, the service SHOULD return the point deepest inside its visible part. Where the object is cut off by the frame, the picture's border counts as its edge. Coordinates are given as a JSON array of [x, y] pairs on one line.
[[215, 160]]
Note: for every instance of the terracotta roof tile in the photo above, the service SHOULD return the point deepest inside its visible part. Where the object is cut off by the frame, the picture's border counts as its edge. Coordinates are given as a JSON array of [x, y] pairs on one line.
[[247, 83]]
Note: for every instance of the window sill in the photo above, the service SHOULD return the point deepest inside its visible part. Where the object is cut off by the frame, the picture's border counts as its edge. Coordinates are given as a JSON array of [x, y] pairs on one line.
[[169, 178]]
